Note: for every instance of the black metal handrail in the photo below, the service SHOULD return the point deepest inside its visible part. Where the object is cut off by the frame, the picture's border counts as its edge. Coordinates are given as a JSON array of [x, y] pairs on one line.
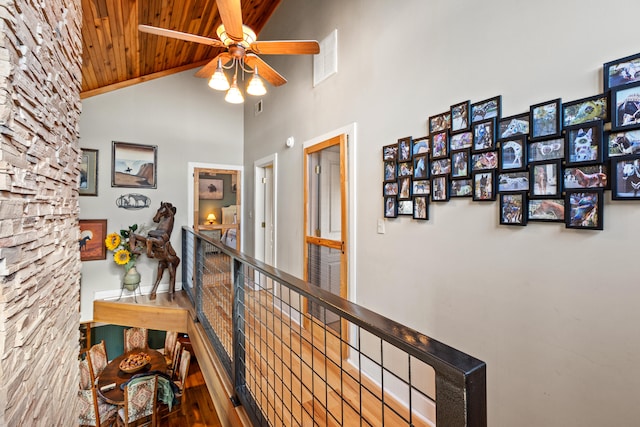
[[460, 379]]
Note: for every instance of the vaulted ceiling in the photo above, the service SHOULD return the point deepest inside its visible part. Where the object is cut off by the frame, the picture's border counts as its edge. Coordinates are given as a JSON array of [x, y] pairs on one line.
[[115, 54]]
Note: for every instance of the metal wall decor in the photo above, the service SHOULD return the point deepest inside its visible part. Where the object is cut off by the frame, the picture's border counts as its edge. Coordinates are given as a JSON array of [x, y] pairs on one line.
[[133, 201]]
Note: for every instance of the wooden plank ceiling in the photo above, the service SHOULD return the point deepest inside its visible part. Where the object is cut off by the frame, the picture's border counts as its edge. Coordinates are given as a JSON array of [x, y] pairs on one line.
[[115, 54]]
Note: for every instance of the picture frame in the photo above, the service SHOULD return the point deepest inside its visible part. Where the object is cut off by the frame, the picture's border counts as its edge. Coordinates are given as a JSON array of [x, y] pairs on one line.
[[93, 233], [421, 166], [625, 107], [439, 122], [625, 178], [210, 189], [546, 210], [421, 207], [460, 140], [420, 146], [460, 116], [484, 186], [545, 150], [404, 149], [405, 169], [513, 125], [390, 171], [460, 164], [484, 135], [404, 188], [390, 189], [622, 143], [582, 177], [486, 109], [421, 187], [439, 189], [622, 71], [390, 152], [586, 110], [513, 181], [484, 161], [583, 209], [88, 185], [390, 207], [440, 167], [461, 187], [134, 165], [513, 208], [405, 207], [513, 153], [545, 181], [545, 119], [583, 143], [440, 145]]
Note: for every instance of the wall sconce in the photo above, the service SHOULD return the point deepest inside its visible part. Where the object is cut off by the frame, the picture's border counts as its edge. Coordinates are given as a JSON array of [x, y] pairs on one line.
[[211, 219]]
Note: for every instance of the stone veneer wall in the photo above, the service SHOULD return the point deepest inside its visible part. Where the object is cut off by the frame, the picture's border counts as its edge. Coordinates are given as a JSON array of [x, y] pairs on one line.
[[40, 55]]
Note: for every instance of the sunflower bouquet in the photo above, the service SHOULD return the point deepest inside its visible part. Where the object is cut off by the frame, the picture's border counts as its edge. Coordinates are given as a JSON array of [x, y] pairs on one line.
[[118, 243]]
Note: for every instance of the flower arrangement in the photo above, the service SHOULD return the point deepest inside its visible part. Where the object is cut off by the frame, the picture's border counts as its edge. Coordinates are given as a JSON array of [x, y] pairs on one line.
[[122, 251]]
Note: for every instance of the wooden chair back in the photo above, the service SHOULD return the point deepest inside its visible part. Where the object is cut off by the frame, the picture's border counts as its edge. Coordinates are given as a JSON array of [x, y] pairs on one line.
[[139, 402], [169, 345], [97, 359], [92, 411], [136, 338], [176, 359]]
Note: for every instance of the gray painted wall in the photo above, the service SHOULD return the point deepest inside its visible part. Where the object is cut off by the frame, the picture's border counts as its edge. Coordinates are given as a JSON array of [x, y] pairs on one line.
[[553, 312]]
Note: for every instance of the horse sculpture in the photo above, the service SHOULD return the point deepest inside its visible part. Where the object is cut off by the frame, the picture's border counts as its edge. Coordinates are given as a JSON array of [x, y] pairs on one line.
[[159, 246]]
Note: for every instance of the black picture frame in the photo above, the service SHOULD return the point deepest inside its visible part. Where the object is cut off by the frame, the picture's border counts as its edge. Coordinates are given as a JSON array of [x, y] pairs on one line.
[[404, 188], [625, 178], [390, 171], [460, 116], [484, 135], [421, 207], [625, 107], [439, 122], [440, 167], [439, 145], [88, 185], [545, 119], [390, 188], [404, 149], [421, 166], [460, 140], [513, 208], [420, 146], [460, 166], [513, 153], [420, 187], [405, 207], [405, 169], [545, 150], [461, 187], [517, 124], [485, 161], [134, 165], [585, 110], [622, 143], [584, 209], [484, 186], [486, 109], [545, 180], [390, 152], [546, 210], [583, 144], [513, 181], [585, 177], [390, 207], [621, 72], [439, 189]]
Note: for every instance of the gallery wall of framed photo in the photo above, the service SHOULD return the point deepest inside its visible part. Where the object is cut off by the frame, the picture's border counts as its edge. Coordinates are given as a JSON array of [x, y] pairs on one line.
[[552, 163]]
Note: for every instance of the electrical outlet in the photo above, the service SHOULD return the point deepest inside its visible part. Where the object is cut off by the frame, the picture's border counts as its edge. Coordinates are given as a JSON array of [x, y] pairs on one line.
[[381, 226]]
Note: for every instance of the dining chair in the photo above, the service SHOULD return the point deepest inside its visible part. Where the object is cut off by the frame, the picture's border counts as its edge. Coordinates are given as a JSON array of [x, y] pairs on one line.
[[135, 338], [181, 380], [93, 411], [140, 404], [171, 371], [97, 359], [169, 345]]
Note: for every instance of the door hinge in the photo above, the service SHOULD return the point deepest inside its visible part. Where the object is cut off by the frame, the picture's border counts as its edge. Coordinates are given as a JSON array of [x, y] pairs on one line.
[[264, 180], [342, 247], [317, 232], [317, 169], [264, 224]]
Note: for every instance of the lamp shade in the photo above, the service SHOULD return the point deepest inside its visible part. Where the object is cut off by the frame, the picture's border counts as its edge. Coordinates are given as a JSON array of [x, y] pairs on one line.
[[256, 85], [218, 80], [211, 218], [234, 96]]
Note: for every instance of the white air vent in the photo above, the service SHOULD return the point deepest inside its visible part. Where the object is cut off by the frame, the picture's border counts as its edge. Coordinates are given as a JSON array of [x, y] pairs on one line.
[[325, 64]]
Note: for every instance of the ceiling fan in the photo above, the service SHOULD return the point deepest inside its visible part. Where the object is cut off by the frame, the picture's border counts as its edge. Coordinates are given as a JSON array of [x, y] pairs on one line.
[[241, 49]]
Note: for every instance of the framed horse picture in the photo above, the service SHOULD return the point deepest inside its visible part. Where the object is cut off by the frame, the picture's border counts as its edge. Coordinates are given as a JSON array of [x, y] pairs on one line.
[[93, 232], [513, 208], [134, 165], [545, 119], [546, 210], [625, 174], [583, 209], [625, 103], [583, 143]]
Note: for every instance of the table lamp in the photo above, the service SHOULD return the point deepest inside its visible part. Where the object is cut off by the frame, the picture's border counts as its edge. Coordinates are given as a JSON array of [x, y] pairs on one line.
[[211, 218]]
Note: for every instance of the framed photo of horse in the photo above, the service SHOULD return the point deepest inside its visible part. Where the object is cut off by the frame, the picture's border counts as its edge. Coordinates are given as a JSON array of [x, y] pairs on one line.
[[546, 210], [440, 145], [421, 187], [421, 207], [484, 186], [545, 119], [484, 135], [390, 189], [547, 149], [625, 175], [586, 110], [622, 143], [513, 153], [390, 207], [513, 208], [621, 72], [594, 176], [88, 172], [461, 187], [420, 145], [583, 144], [583, 209], [460, 164], [439, 189], [404, 188], [404, 149], [545, 180], [93, 232], [513, 181], [513, 125], [625, 102], [420, 166], [440, 122], [460, 116], [134, 165], [390, 152], [487, 109], [405, 207]]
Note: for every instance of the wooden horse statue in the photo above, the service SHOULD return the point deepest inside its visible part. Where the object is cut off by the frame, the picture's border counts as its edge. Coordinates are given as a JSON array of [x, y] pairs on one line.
[[159, 246]]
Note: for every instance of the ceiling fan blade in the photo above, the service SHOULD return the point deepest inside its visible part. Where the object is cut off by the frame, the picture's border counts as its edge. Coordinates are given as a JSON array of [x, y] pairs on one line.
[[210, 68], [286, 47], [231, 15], [267, 73], [180, 35]]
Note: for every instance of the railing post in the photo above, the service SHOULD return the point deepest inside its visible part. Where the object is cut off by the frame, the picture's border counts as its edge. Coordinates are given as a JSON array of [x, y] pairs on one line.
[[199, 273], [238, 315], [455, 391]]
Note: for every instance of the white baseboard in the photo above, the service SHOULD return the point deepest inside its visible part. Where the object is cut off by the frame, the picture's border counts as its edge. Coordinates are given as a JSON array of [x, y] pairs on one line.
[[145, 290]]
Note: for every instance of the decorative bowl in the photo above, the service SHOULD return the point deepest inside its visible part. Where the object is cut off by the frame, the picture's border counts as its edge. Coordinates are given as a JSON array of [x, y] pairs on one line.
[[134, 362]]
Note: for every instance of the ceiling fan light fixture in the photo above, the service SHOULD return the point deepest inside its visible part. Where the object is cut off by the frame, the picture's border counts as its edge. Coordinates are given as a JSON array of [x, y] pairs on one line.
[[256, 85], [218, 80], [234, 96], [247, 34]]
